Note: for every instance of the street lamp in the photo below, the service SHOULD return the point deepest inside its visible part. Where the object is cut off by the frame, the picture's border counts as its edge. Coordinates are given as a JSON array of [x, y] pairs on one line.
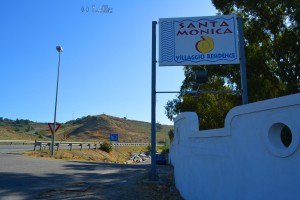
[[59, 50]]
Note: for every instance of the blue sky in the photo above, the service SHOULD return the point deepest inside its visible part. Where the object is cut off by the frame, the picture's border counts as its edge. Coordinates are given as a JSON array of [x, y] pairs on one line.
[[105, 65]]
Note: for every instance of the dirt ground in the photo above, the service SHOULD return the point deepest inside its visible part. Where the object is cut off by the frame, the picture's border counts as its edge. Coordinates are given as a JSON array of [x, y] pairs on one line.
[[165, 188], [138, 189]]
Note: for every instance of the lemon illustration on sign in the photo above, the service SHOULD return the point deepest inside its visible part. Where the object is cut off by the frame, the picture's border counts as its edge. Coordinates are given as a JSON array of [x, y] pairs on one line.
[[205, 45]]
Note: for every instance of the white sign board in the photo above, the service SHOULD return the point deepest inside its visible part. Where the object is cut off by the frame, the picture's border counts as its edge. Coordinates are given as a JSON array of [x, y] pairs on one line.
[[198, 41]]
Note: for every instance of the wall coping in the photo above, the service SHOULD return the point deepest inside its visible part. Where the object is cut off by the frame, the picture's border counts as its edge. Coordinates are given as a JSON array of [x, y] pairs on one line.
[[269, 104]]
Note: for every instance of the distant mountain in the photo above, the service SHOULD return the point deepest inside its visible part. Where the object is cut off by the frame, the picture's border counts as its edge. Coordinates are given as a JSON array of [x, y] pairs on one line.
[[86, 128]]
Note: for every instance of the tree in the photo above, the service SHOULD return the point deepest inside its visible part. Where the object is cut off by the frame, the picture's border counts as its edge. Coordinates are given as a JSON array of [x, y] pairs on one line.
[[211, 105], [158, 127], [273, 65], [272, 45]]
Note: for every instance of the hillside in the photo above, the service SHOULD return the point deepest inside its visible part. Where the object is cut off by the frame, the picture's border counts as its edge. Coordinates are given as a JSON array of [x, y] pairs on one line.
[[89, 128]]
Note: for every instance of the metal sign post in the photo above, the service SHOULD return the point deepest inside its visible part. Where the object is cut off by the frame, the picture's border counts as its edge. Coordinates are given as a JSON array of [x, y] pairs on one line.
[[196, 41], [153, 172], [59, 49], [242, 61]]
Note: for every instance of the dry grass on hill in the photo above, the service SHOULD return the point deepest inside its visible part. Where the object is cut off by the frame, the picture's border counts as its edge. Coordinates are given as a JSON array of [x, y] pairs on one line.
[[8, 134], [90, 128]]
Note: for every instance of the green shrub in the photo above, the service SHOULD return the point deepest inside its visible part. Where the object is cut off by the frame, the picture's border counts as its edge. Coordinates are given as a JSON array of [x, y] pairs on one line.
[[164, 149], [171, 134], [106, 146]]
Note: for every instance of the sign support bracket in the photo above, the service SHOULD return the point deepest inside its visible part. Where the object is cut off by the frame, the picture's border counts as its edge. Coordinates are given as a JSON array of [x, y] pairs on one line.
[[242, 61]]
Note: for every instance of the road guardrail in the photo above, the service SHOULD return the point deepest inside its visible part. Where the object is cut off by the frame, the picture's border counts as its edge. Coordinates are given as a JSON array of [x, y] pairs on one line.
[[47, 144]]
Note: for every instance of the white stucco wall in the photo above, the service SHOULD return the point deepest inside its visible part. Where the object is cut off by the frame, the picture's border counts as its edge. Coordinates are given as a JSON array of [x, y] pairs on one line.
[[244, 160]]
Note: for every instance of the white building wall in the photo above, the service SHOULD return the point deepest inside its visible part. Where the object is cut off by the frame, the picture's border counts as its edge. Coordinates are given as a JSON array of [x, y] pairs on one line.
[[244, 160]]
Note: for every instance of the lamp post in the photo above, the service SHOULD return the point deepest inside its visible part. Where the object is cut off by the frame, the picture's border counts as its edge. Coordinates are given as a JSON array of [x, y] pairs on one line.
[[59, 50]]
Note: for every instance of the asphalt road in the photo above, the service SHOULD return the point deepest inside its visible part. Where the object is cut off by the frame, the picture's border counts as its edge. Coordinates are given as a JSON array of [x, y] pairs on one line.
[[24, 177], [14, 148]]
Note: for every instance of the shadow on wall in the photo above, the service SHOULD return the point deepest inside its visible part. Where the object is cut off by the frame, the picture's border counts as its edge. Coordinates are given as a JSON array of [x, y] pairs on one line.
[[255, 156]]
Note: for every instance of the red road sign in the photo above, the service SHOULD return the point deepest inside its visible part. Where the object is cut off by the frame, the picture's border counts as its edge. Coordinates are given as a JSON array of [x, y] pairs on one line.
[[51, 126]]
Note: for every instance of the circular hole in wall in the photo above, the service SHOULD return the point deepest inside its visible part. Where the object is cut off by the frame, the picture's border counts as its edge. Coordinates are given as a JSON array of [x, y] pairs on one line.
[[286, 136], [280, 136]]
